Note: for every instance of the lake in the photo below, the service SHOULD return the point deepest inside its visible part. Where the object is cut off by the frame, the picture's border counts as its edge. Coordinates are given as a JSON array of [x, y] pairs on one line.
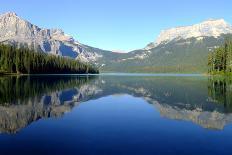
[[109, 114]]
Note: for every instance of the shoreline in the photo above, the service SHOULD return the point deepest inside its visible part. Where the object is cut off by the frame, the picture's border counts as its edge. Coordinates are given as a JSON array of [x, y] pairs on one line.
[[123, 74], [21, 74]]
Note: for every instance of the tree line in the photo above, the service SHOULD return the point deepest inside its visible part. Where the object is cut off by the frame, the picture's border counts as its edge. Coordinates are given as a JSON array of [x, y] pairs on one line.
[[220, 60], [27, 61]]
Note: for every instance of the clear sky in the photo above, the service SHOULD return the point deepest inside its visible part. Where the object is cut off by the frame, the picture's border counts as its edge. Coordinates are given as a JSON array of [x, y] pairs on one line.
[[117, 24]]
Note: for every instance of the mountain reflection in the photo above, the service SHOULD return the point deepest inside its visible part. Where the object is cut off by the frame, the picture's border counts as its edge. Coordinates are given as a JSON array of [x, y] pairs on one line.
[[27, 99], [203, 101]]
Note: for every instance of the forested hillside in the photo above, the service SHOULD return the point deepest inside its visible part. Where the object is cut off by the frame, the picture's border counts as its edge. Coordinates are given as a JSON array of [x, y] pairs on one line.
[[177, 56], [26, 61]]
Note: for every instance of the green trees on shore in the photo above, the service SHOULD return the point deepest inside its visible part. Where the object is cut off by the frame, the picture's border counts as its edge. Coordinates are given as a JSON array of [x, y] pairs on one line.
[[26, 61], [220, 60]]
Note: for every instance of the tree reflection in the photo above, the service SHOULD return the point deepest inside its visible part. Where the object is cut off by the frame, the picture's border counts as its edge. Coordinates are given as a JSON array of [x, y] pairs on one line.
[[19, 89], [220, 91]]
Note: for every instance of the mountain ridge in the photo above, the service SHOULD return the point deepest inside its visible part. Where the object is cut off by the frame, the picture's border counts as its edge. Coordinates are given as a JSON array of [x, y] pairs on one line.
[[175, 50], [207, 28], [16, 30]]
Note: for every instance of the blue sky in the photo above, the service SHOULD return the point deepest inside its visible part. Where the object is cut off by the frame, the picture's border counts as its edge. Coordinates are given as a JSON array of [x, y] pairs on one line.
[[117, 24]]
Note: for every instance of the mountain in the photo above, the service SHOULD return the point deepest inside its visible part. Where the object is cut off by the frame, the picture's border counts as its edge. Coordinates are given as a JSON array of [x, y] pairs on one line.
[[15, 30], [209, 28], [181, 49]]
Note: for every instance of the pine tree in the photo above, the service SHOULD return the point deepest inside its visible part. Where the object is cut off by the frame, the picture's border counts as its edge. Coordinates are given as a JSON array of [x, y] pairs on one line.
[[220, 60]]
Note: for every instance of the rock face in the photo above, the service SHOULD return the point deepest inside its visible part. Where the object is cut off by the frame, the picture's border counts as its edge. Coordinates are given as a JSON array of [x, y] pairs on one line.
[[209, 28], [15, 30]]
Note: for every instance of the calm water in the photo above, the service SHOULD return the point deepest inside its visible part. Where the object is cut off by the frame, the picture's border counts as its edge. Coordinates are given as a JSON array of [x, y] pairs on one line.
[[108, 114]]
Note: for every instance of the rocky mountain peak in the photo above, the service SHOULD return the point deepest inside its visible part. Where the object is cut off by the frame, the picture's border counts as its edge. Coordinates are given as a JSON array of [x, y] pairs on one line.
[[16, 30], [208, 28], [58, 34], [215, 21], [9, 14]]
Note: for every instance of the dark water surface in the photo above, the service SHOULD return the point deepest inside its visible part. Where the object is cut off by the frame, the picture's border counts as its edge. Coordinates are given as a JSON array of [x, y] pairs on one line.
[[114, 115]]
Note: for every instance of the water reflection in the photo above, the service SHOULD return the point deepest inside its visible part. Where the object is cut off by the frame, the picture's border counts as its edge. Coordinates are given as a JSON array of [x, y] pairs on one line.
[[23, 100], [27, 99], [220, 91]]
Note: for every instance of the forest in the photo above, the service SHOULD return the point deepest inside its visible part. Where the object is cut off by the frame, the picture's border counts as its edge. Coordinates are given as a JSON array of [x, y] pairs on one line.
[[220, 60], [26, 61]]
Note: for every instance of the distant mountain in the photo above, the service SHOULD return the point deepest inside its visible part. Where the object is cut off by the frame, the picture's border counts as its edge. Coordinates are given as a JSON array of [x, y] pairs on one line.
[[181, 49], [185, 55]]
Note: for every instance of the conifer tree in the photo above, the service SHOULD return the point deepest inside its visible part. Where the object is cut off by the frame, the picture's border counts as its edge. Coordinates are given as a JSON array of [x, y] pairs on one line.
[[24, 60]]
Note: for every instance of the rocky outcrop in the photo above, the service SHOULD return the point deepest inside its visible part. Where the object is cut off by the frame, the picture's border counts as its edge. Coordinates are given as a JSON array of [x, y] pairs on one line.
[[15, 30]]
